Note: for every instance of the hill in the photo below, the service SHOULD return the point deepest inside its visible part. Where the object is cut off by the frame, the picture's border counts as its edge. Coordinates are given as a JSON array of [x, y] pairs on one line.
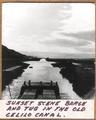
[[12, 58]]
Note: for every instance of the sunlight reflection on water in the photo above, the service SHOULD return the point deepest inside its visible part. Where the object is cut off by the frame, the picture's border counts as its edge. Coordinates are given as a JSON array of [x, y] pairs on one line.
[[41, 71]]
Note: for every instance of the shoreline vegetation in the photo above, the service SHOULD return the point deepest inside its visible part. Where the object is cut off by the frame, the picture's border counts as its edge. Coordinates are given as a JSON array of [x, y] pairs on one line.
[[79, 72]]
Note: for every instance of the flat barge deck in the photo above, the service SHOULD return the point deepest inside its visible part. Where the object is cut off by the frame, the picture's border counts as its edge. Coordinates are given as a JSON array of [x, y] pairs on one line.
[[39, 90]]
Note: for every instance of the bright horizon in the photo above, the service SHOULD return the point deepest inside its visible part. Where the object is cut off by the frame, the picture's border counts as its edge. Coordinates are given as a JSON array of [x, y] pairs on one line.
[[50, 29]]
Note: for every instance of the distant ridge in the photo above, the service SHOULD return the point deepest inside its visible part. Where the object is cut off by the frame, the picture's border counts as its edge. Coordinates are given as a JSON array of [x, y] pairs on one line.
[[57, 55], [12, 54], [11, 58]]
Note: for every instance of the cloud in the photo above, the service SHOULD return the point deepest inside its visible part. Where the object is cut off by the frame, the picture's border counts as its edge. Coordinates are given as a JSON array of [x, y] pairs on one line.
[[86, 35], [66, 42], [52, 27]]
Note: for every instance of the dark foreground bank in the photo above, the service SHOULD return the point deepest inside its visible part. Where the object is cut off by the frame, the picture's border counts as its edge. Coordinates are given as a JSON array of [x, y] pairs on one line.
[[81, 73], [13, 65], [9, 76]]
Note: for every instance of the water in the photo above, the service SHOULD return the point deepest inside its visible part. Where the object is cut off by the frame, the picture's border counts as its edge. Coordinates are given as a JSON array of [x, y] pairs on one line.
[[40, 71]]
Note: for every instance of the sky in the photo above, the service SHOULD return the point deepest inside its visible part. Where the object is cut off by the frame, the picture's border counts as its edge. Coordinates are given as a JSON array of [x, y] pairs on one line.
[[50, 29]]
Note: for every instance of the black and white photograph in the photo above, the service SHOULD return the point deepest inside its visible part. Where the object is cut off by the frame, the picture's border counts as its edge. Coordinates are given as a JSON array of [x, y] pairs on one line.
[[48, 51]]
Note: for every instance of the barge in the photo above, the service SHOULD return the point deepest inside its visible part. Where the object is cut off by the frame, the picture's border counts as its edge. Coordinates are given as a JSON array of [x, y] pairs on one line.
[[39, 90]]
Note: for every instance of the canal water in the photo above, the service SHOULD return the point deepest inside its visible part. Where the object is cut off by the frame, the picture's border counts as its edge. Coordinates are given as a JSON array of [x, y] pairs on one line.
[[40, 71]]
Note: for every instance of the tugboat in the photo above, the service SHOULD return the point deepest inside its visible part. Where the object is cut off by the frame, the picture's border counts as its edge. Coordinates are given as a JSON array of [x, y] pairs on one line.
[[39, 90]]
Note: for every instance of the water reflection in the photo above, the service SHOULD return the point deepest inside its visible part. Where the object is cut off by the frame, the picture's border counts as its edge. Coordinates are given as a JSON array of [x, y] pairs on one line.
[[41, 71]]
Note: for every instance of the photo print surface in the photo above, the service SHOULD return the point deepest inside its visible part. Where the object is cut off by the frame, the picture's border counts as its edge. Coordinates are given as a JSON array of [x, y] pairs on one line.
[[48, 51]]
